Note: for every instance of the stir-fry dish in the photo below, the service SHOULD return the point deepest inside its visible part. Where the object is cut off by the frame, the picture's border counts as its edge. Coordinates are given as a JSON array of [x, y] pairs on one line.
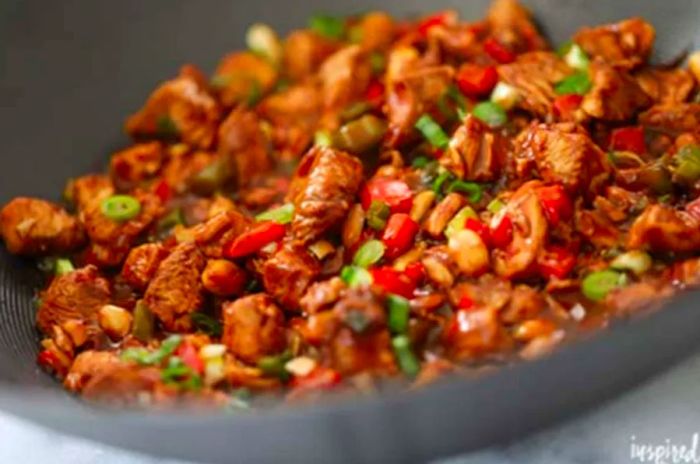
[[366, 199]]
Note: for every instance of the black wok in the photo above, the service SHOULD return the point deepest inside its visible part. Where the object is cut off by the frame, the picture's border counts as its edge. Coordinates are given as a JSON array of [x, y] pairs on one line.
[[72, 70]]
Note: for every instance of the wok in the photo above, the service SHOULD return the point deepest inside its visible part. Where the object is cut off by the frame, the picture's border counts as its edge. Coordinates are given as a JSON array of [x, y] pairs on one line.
[[72, 70]]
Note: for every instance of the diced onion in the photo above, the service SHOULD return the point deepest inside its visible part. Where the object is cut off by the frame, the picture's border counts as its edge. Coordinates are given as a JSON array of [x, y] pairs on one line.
[[262, 39], [506, 96]]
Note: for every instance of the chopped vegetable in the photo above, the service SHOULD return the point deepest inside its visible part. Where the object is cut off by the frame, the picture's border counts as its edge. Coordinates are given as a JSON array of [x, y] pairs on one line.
[[499, 52], [181, 375], [556, 261], [506, 96], [377, 214], [596, 285], [144, 322], [472, 189], [459, 221], [207, 324], [274, 365], [355, 276], [399, 310], [254, 239], [323, 139], [490, 113], [576, 58], [565, 106], [501, 231], [556, 203], [440, 18], [432, 132], [330, 27], [687, 165], [399, 234], [212, 177], [628, 139], [407, 361], [120, 207], [147, 357], [395, 193], [369, 253], [495, 205], [393, 281], [420, 162], [360, 135], [577, 83], [476, 81], [636, 261], [281, 215], [63, 266], [263, 40]]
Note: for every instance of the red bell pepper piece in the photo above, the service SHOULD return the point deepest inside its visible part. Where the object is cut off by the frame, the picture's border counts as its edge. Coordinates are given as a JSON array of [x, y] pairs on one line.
[[416, 272], [555, 203], [565, 105], [502, 232], [465, 302], [254, 239], [556, 261], [440, 18], [395, 193], [628, 139], [374, 93], [188, 353], [476, 81], [399, 234], [480, 228], [393, 281], [498, 51]]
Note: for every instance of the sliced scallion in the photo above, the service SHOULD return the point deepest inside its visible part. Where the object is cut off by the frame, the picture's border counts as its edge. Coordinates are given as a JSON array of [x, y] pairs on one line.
[[281, 215], [369, 253], [399, 310], [355, 276], [490, 113], [407, 361], [432, 132], [377, 214], [596, 285]]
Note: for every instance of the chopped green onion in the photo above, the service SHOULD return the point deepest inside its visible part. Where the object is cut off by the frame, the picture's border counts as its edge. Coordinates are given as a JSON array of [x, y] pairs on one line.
[[407, 361], [355, 276], [432, 132], [120, 207], [377, 214], [207, 324], [576, 58], [495, 205], [355, 110], [687, 165], [636, 261], [262, 40], [439, 182], [472, 189], [179, 374], [504, 95], [490, 113], [331, 27], [360, 135], [63, 266], [420, 162], [399, 310], [274, 365], [596, 285], [457, 96], [281, 215], [211, 177], [143, 356], [369, 253], [323, 139], [143, 322], [356, 320], [577, 83], [377, 62], [459, 221], [166, 127]]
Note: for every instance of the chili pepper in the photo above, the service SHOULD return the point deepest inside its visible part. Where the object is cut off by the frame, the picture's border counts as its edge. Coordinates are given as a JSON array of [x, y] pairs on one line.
[[395, 193], [188, 353], [253, 240], [628, 139], [120, 207], [440, 18], [399, 234], [163, 191], [317, 379], [555, 203], [465, 302], [556, 261], [476, 81], [49, 360], [393, 281], [416, 272], [480, 228], [498, 51], [565, 105], [502, 232], [374, 92]]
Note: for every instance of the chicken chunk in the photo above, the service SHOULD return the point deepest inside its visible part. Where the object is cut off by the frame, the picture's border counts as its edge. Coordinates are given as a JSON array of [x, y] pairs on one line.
[[627, 43], [31, 226], [242, 77], [85, 189], [475, 152], [175, 290], [141, 264], [304, 51], [666, 85], [615, 95], [123, 385], [253, 327], [211, 236], [475, 334], [136, 164], [77, 295], [662, 228], [87, 365], [672, 118], [328, 180], [512, 25], [242, 143], [180, 108], [377, 30], [344, 76], [322, 294], [288, 273]]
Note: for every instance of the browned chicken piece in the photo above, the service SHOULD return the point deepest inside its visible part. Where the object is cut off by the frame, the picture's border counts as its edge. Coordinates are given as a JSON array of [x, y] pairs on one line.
[[615, 95], [663, 228], [327, 180], [525, 303], [253, 327], [288, 273], [686, 273], [116, 237], [84, 190], [437, 220], [627, 43], [242, 141], [362, 342], [293, 115], [344, 77], [304, 51], [77, 295], [534, 75], [320, 295], [488, 291], [31, 226], [529, 233], [597, 228], [376, 29], [475, 152], [639, 296], [675, 119], [135, 164], [459, 40], [124, 385], [512, 25], [563, 153], [141, 264], [89, 364], [475, 334], [180, 108], [224, 278], [666, 85], [413, 93], [182, 166], [242, 77], [211, 236], [175, 290]]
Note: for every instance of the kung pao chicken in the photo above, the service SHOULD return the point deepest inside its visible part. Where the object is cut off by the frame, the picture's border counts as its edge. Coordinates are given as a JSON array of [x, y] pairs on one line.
[[370, 198]]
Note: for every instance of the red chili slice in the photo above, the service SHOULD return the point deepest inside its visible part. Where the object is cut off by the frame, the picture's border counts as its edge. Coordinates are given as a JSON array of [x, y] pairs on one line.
[[476, 81], [498, 51], [253, 240], [319, 378], [395, 193], [628, 139], [415, 272], [393, 281], [374, 93], [399, 234], [555, 203], [556, 261], [480, 228], [465, 302], [163, 191], [502, 233], [188, 353], [440, 18], [565, 105]]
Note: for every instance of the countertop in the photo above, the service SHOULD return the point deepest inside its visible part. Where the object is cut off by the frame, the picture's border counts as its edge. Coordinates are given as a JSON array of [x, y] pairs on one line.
[[664, 411]]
